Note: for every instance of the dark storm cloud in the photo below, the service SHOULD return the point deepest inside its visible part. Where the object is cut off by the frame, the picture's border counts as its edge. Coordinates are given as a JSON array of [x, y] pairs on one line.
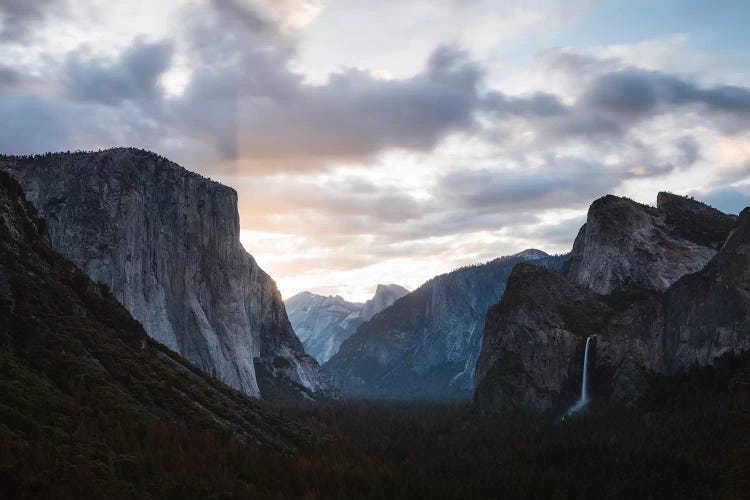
[[355, 115], [626, 93], [616, 97], [19, 16], [134, 75], [690, 150], [233, 11], [283, 123], [612, 99], [637, 93], [576, 64], [8, 77], [560, 182], [538, 105]]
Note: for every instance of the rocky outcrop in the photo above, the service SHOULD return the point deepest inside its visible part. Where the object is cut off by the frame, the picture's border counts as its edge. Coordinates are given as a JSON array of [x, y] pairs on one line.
[[627, 243], [166, 242], [532, 354], [323, 323], [385, 296], [426, 344], [534, 341]]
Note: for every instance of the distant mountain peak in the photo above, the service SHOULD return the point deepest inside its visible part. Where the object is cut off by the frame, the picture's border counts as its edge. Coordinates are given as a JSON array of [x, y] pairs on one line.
[[324, 322], [385, 295], [532, 254]]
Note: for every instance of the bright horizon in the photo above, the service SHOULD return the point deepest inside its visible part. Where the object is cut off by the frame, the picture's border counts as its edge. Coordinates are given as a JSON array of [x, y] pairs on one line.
[[380, 142]]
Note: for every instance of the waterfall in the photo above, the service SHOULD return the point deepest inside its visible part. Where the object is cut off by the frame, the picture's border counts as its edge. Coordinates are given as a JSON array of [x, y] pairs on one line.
[[584, 399]]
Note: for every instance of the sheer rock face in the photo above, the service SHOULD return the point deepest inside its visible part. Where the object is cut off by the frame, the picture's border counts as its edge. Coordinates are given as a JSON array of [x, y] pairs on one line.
[[532, 354], [626, 243], [166, 242], [323, 323], [426, 344], [70, 350]]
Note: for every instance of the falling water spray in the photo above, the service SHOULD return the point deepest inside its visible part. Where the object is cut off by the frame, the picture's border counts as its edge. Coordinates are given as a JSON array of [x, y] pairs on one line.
[[584, 399]]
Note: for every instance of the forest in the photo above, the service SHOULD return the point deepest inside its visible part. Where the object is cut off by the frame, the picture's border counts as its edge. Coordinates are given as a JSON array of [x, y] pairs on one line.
[[690, 438]]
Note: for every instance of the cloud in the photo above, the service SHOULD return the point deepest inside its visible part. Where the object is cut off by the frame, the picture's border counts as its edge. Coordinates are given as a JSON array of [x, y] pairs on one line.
[[558, 182], [243, 109], [616, 97], [539, 104], [291, 14], [355, 198], [356, 115], [635, 93], [133, 75], [236, 11], [272, 120], [18, 17], [8, 77], [610, 98], [689, 150], [339, 211]]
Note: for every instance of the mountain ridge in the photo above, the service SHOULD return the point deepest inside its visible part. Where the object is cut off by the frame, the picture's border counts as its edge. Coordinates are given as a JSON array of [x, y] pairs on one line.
[[425, 345]]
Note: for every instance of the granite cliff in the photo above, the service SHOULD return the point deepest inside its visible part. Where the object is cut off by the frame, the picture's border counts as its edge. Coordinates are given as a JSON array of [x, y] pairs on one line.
[[627, 243], [166, 242], [323, 323], [425, 345], [648, 309], [90, 406]]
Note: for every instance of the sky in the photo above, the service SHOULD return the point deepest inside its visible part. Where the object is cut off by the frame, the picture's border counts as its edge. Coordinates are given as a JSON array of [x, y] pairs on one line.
[[373, 141]]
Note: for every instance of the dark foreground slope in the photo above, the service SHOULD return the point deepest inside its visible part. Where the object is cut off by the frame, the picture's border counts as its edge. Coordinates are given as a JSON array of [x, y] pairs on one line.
[[90, 405]]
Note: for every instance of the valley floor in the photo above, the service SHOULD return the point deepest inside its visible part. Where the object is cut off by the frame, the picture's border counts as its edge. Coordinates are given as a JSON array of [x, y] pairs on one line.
[[690, 439]]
